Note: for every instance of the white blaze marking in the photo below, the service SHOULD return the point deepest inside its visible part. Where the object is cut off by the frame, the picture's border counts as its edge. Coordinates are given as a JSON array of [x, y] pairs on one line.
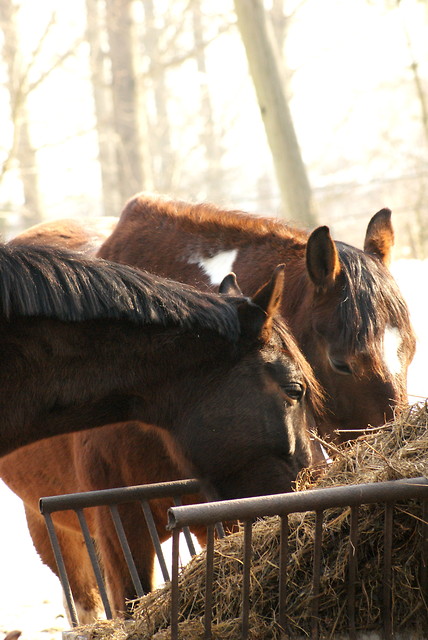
[[218, 266], [391, 346]]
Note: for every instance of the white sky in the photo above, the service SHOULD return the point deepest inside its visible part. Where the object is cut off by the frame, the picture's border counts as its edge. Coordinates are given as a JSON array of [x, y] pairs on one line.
[[353, 101]]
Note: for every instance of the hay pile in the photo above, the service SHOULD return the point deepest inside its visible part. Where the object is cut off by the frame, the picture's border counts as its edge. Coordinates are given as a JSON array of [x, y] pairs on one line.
[[397, 450]]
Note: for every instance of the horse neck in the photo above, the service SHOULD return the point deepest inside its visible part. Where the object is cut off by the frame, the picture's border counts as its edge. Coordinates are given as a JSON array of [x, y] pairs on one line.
[[255, 264], [65, 377]]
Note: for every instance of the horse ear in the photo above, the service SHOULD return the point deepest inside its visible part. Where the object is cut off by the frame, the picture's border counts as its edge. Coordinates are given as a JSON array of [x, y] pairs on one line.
[[229, 286], [322, 259], [269, 296], [256, 314], [380, 236]]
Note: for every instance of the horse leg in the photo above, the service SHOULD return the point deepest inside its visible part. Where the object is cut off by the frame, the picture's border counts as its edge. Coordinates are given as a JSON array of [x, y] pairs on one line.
[[79, 569], [117, 575]]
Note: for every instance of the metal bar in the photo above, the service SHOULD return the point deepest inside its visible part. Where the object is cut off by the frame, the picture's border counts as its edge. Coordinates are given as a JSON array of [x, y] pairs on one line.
[[316, 574], [94, 561], [283, 561], [117, 496], [387, 568], [126, 550], [175, 599], [352, 571], [155, 538], [62, 571], [313, 500], [248, 529], [209, 578], [186, 530]]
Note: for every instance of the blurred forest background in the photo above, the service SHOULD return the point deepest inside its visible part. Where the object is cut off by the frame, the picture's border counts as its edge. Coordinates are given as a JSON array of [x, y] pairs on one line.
[[316, 112]]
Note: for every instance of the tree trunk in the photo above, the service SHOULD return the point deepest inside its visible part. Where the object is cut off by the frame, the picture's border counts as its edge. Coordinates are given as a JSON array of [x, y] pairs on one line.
[[125, 99], [163, 158], [103, 103], [21, 148], [26, 155], [208, 137], [264, 65]]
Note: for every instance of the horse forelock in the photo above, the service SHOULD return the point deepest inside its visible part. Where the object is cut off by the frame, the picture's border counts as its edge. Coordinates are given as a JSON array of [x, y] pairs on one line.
[[43, 281], [371, 304]]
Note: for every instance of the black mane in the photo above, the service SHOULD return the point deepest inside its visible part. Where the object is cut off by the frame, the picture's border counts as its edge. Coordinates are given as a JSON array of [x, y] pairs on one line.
[[371, 301], [50, 282]]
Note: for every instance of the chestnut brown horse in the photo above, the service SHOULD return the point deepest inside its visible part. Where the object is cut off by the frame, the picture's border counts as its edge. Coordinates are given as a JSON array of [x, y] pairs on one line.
[[86, 343], [342, 304]]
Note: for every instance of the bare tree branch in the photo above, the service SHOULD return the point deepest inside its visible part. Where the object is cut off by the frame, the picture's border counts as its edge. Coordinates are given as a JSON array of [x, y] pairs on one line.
[[419, 86], [19, 83]]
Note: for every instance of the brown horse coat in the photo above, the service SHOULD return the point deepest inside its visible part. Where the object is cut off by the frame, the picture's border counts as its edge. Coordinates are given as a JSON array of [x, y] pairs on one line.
[[338, 300], [58, 392], [342, 304]]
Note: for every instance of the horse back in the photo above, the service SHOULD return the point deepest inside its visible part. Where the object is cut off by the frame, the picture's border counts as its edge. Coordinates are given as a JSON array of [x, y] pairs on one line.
[[200, 243], [83, 236]]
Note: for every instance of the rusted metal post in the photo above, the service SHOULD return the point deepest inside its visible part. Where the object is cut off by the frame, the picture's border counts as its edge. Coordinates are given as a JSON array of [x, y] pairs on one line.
[[387, 569], [120, 531], [175, 595], [209, 577], [352, 570], [94, 561], [248, 530], [316, 573], [62, 570], [283, 560]]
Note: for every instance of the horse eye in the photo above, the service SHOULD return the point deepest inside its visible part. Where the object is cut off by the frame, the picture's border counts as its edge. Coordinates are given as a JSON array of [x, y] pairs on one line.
[[340, 366], [294, 390]]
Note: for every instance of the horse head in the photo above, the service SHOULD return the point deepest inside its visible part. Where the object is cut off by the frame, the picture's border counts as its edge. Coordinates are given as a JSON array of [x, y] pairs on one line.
[[360, 341], [274, 396]]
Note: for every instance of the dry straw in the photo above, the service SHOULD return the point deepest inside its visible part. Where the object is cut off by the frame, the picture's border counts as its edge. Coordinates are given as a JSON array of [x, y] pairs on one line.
[[397, 450]]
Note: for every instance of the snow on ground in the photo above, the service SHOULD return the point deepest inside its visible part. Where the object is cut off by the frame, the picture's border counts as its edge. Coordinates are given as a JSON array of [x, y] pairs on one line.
[[412, 278], [30, 595]]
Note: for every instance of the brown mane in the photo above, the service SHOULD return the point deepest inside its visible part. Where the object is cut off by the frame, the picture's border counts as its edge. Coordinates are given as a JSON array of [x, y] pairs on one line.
[[220, 226], [50, 282]]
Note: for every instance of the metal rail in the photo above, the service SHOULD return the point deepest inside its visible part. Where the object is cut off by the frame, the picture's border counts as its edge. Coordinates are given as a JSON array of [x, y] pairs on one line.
[[111, 498], [118, 496], [180, 518], [249, 509], [282, 503]]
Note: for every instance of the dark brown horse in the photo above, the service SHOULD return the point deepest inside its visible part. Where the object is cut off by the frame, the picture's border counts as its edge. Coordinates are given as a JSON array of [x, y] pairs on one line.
[[86, 343]]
